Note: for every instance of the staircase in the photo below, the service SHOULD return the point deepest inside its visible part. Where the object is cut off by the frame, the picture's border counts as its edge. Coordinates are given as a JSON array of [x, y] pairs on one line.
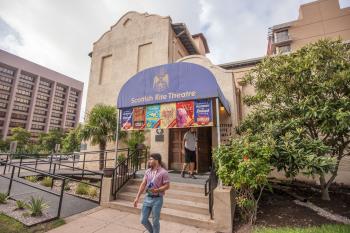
[[183, 203]]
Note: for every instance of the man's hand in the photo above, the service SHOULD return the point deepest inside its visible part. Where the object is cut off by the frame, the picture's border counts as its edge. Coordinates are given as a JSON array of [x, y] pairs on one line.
[[154, 191], [136, 201]]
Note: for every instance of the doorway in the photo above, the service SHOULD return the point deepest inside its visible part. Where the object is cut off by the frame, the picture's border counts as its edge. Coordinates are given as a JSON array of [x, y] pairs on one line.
[[203, 155]]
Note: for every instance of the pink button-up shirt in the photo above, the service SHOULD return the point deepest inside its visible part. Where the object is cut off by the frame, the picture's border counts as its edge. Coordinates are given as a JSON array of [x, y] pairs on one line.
[[161, 178]]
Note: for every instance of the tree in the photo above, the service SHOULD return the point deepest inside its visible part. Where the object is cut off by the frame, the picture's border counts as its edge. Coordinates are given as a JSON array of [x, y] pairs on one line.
[[72, 140], [49, 140], [22, 136], [100, 127], [304, 99]]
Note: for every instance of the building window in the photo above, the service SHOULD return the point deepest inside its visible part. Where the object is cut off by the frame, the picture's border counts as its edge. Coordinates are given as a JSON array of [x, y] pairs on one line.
[[43, 90], [27, 78], [1, 123], [5, 88], [55, 122], [71, 111], [25, 85], [18, 116], [283, 49], [72, 105], [57, 108], [39, 127], [59, 95], [17, 124], [2, 114], [75, 93], [69, 117], [41, 104], [73, 99], [70, 124], [3, 105], [7, 71], [5, 79], [56, 114], [57, 101], [59, 88], [40, 112], [281, 36], [38, 119], [21, 100], [54, 128], [20, 108], [44, 83], [4, 96], [23, 92], [43, 97]]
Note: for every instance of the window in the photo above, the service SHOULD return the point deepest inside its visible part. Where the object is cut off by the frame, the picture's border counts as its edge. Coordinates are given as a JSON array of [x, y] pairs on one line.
[[5, 79], [18, 116], [57, 108], [57, 94], [2, 123], [57, 101], [75, 93], [281, 36], [72, 111], [72, 105], [44, 83], [20, 108], [17, 124], [21, 100], [43, 97], [7, 71], [283, 49], [4, 96], [23, 92], [41, 104], [2, 114], [43, 90], [27, 78], [59, 88], [25, 85], [54, 128], [39, 127], [56, 114], [70, 124], [73, 99], [3, 105], [40, 112], [38, 119], [70, 117], [55, 122], [5, 88]]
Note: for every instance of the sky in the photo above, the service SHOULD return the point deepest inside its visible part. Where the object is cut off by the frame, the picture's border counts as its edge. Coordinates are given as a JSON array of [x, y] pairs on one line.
[[59, 34]]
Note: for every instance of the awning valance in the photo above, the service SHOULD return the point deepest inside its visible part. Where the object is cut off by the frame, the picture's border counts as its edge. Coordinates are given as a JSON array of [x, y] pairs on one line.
[[170, 83]]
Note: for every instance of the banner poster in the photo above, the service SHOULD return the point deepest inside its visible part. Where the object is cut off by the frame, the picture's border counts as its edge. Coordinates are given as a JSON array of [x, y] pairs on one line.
[[203, 113], [139, 117], [126, 119], [168, 115], [184, 114], [153, 116]]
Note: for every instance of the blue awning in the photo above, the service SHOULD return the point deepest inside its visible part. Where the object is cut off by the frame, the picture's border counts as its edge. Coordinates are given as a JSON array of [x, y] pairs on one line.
[[170, 83]]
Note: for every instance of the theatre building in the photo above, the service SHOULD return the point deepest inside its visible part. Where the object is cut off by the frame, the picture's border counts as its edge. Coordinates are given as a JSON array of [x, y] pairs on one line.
[[158, 76]]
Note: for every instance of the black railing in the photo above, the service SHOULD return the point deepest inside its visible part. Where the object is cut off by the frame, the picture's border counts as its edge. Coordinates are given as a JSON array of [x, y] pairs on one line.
[[127, 168], [20, 180], [210, 184]]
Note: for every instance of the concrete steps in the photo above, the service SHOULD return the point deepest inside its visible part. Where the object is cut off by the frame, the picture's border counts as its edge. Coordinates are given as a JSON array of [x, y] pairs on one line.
[[183, 203]]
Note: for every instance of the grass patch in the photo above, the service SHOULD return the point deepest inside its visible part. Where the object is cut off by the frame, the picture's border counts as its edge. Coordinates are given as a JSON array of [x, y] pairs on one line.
[[93, 192], [334, 228], [82, 189], [47, 181], [33, 179], [3, 198]]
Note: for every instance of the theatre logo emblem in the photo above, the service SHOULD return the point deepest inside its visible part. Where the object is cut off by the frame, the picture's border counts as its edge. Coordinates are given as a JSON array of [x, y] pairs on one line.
[[161, 81]]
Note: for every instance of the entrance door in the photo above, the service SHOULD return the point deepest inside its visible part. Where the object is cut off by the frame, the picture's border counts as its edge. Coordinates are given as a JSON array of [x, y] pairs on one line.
[[203, 158]]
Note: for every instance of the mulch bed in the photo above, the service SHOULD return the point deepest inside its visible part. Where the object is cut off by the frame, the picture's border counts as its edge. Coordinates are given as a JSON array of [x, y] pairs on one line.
[[9, 210], [277, 208]]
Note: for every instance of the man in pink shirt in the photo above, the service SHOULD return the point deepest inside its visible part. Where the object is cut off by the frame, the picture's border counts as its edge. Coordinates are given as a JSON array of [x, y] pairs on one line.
[[155, 181]]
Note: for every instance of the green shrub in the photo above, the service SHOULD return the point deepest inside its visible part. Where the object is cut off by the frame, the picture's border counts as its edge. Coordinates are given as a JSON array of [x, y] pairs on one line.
[[82, 189], [66, 186], [47, 181], [92, 192], [33, 179], [36, 206], [3, 198], [20, 205]]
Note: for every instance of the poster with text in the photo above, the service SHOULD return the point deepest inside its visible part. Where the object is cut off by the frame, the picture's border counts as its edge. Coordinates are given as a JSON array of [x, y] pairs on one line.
[[139, 115], [203, 113], [126, 119], [153, 116], [168, 115], [184, 114]]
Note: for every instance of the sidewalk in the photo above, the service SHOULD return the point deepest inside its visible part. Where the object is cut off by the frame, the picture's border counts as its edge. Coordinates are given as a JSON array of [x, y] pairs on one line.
[[106, 220]]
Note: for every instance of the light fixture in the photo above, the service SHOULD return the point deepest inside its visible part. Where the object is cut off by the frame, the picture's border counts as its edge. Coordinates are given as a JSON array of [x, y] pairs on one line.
[[222, 108]]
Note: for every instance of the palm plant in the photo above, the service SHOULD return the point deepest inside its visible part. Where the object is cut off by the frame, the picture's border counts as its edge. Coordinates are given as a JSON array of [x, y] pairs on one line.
[[3, 198], [100, 128], [36, 206]]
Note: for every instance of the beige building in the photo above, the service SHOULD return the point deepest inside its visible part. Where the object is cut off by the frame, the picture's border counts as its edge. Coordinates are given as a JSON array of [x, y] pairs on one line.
[[318, 19], [141, 41], [36, 98]]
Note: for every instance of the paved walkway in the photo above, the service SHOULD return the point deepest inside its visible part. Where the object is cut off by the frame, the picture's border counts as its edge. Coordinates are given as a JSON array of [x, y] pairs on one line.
[[105, 220]]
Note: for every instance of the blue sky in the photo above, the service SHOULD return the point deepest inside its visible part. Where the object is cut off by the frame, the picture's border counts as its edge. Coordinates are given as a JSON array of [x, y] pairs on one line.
[[59, 34]]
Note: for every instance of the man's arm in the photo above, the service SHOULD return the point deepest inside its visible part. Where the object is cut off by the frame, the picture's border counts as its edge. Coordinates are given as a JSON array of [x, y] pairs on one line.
[[161, 189], [141, 190]]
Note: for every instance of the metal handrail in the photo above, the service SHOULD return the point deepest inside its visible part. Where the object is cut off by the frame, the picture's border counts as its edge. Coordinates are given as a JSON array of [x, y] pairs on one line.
[[209, 186]]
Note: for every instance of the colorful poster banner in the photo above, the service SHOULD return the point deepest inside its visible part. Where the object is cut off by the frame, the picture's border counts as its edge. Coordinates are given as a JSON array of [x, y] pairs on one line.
[[126, 118], [184, 114], [203, 113], [168, 115], [139, 117], [153, 116]]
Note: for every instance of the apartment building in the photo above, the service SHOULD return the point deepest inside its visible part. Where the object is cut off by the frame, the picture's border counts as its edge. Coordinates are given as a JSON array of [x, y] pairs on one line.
[[319, 19], [36, 98]]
